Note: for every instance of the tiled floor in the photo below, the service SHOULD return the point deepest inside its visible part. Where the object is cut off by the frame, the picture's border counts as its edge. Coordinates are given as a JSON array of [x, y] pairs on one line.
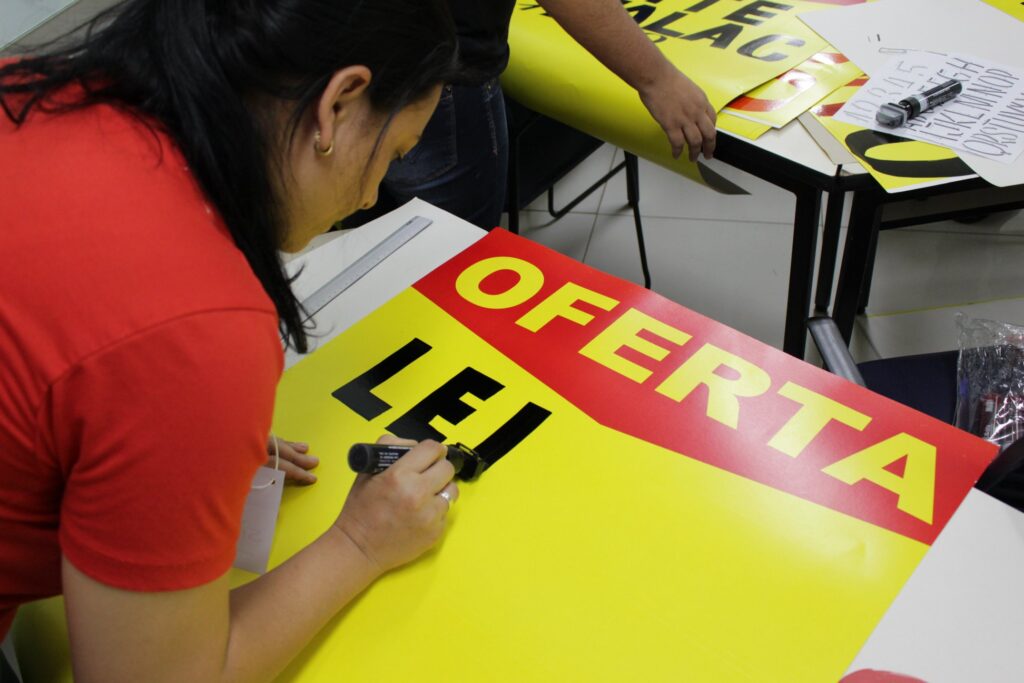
[[728, 257]]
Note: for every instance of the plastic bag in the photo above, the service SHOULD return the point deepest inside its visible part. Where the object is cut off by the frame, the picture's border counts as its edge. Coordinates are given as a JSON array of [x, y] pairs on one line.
[[990, 380]]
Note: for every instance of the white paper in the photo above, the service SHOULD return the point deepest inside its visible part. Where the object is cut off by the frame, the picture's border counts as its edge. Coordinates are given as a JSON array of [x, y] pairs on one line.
[[259, 520], [960, 617], [871, 33], [986, 119]]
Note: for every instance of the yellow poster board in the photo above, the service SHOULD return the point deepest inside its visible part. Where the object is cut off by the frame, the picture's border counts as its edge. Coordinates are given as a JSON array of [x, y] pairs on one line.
[[585, 555], [727, 48], [785, 97], [751, 130], [669, 500]]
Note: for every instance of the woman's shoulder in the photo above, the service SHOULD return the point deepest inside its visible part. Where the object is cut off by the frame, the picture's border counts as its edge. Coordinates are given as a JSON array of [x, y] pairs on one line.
[[90, 148], [105, 211], [104, 176]]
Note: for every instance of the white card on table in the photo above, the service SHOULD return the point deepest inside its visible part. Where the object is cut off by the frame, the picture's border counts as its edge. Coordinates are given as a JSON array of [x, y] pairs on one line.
[[259, 520]]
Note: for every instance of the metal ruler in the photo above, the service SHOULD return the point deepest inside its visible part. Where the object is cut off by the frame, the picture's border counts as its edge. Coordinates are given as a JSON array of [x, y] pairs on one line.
[[363, 265]]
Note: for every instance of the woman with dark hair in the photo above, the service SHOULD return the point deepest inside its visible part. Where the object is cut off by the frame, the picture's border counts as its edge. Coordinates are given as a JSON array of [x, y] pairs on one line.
[[148, 176]]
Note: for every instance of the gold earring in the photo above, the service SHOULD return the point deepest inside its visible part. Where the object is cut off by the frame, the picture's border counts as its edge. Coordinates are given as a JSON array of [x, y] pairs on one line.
[[316, 146]]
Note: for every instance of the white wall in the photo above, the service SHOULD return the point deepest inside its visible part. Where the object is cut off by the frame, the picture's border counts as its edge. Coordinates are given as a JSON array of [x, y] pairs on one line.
[[24, 23]]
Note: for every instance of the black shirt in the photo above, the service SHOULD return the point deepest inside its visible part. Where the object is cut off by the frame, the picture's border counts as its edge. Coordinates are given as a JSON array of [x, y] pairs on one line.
[[482, 26]]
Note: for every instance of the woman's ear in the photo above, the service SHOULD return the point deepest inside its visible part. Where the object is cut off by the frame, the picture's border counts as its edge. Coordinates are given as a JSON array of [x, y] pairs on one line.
[[345, 88]]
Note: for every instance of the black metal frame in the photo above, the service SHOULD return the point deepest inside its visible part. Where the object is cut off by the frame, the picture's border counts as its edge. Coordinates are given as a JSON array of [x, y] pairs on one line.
[[864, 224], [632, 166], [514, 200], [807, 187], [573, 203], [866, 221]]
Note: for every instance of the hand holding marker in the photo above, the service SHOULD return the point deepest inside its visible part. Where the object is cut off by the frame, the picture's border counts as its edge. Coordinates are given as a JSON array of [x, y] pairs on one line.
[[895, 115], [374, 458]]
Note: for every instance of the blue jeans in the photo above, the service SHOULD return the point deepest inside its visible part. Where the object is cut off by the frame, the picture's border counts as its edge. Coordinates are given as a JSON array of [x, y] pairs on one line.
[[461, 162]]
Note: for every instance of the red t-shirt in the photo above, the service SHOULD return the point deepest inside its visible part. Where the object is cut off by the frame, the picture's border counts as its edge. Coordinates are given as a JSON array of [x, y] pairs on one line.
[[139, 357]]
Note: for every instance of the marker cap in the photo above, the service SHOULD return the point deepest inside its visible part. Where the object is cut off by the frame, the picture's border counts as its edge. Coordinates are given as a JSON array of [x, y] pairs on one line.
[[891, 116]]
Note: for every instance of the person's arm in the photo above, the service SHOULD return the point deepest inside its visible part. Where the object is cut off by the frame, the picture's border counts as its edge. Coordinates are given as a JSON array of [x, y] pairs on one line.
[[161, 434], [209, 633], [607, 31]]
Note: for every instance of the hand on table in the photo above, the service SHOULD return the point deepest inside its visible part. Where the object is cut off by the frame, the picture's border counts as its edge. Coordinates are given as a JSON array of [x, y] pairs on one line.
[[683, 111], [397, 515], [294, 459]]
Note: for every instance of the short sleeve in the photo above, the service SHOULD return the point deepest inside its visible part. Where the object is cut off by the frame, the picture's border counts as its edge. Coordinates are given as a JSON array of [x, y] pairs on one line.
[[160, 436]]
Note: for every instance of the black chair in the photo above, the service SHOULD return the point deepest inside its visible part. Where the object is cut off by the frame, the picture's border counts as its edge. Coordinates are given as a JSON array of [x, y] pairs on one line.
[[927, 383], [542, 151]]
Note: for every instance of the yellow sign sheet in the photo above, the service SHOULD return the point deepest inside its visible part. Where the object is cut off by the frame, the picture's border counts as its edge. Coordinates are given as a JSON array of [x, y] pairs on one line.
[[727, 47], [751, 130], [790, 94], [669, 500]]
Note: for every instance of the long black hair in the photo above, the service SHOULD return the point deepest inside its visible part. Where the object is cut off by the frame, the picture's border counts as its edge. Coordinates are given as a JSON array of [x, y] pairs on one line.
[[195, 66]]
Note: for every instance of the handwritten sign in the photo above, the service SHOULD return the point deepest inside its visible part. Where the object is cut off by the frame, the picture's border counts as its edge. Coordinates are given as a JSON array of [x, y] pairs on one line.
[[986, 119]]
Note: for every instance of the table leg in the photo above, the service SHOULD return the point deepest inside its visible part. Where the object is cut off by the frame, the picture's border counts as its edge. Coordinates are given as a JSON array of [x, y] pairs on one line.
[[801, 269], [512, 184], [865, 289], [829, 250], [865, 215], [632, 164], [633, 197]]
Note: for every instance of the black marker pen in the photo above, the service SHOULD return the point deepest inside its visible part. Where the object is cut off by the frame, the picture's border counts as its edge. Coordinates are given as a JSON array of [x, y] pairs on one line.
[[895, 115], [374, 458]]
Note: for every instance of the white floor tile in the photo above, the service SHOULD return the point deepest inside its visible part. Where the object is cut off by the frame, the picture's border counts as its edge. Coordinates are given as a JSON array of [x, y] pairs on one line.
[[917, 269], [579, 179], [736, 273], [568, 235], [932, 330], [862, 348], [668, 195]]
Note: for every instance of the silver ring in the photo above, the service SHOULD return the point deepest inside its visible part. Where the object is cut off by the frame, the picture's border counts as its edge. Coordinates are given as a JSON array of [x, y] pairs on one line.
[[447, 497]]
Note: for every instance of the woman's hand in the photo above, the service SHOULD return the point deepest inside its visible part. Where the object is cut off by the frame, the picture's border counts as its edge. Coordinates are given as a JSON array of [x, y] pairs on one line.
[[294, 460], [397, 515]]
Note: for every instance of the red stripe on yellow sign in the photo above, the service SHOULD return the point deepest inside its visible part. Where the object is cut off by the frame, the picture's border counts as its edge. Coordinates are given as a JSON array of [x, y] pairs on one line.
[[645, 366]]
